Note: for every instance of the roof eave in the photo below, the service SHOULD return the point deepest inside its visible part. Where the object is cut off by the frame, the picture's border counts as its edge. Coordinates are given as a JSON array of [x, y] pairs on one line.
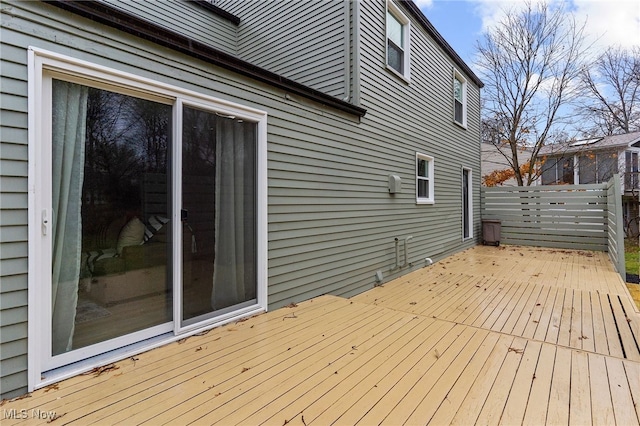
[[126, 22], [217, 10]]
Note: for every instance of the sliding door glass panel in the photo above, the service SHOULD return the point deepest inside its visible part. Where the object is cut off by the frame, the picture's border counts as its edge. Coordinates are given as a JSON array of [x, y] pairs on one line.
[[219, 193], [111, 191], [607, 166], [587, 168]]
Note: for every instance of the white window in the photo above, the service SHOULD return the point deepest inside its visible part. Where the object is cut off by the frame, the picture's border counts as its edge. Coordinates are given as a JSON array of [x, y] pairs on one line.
[[129, 210], [424, 179], [398, 46], [460, 99]]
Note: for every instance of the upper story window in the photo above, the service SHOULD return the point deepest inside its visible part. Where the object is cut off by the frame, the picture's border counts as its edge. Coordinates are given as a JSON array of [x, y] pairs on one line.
[[460, 99], [398, 46], [424, 179]]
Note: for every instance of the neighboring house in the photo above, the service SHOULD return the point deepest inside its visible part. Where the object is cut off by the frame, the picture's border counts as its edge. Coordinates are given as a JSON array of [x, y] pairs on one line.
[[494, 160], [171, 166], [596, 160]]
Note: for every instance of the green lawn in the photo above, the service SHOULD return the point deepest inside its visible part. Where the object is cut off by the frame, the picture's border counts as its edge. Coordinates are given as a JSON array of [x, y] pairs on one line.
[[632, 255]]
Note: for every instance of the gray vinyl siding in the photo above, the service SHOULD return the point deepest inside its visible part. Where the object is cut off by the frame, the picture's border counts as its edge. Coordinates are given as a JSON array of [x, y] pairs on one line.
[[185, 18], [13, 218], [306, 41], [423, 123], [331, 220]]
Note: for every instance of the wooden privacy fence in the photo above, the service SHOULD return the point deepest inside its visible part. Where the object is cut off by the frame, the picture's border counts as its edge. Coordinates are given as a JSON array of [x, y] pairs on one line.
[[582, 217]]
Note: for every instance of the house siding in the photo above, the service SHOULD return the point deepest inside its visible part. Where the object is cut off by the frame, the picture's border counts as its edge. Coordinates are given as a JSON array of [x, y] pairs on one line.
[[13, 217], [186, 18], [331, 219], [306, 41], [423, 123]]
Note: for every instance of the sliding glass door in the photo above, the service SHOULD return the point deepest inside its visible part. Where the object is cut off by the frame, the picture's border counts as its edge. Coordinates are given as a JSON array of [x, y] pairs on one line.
[[219, 195], [150, 216], [111, 204]]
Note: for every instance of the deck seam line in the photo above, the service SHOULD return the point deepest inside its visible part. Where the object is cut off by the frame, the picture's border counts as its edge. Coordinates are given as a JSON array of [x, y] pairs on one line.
[[501, 332]]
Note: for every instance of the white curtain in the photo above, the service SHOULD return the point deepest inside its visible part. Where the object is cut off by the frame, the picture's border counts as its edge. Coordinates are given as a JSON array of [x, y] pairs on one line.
[[69, 112], [234, 265]]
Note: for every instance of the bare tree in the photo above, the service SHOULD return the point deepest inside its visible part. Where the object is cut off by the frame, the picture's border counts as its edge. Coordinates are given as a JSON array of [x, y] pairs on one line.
[[529, 61], [612, 101]]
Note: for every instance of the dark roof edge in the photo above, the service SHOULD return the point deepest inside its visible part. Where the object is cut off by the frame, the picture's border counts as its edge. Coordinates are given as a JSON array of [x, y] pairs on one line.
[[217, 10], [431, 30], [116, 18]]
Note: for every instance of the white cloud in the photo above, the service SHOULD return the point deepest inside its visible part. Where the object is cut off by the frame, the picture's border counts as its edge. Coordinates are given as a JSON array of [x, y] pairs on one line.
[[423, 3], [492, 11], [608, 22]]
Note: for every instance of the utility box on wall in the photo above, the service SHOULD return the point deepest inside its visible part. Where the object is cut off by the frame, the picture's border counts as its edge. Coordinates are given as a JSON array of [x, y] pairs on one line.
[[395, 184]]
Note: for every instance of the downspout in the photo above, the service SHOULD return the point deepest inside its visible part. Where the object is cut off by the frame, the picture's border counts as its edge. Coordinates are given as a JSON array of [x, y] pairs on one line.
[[355, 59], [347, 50]]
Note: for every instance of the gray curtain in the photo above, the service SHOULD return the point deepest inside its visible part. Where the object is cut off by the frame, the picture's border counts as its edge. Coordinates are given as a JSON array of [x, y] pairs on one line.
[[234, 262], [69, 112]]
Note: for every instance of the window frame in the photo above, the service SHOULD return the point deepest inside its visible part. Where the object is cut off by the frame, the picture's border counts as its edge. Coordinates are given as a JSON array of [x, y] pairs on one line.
[[469, 211], [457, 76], [429, 178], [394, 10], [44, 65]]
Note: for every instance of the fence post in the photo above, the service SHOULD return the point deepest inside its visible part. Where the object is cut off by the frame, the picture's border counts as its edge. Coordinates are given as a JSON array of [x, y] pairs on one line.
[[619, 229]]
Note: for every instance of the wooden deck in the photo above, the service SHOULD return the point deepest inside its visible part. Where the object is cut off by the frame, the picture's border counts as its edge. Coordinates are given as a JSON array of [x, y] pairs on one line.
[[492, 335]]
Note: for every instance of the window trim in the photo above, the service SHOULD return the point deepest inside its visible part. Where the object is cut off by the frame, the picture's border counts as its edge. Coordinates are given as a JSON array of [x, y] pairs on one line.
[[459, 77], [394, 10], [41, 66], [430, 179]]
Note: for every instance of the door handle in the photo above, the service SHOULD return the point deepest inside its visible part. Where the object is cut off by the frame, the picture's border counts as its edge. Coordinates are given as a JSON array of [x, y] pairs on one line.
[[45, 222]]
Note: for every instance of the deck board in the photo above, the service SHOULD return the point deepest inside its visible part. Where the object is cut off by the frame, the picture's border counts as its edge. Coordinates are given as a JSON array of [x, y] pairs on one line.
[[580, 397], [494, 404], [632, 370], [601, 404], [538, 402], [407, 391], [517, 401], [456, 394], [623, 404], [503, 335], [382, 380], [558, 408], [587, 332], [545, 319]]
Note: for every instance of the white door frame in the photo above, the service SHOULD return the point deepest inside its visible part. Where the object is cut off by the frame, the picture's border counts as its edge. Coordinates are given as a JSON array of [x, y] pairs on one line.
[[42, 65], [469, 195]]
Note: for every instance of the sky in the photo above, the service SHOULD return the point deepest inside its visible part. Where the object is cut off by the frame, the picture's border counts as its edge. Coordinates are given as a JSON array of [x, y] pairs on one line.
[[462, 22]]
